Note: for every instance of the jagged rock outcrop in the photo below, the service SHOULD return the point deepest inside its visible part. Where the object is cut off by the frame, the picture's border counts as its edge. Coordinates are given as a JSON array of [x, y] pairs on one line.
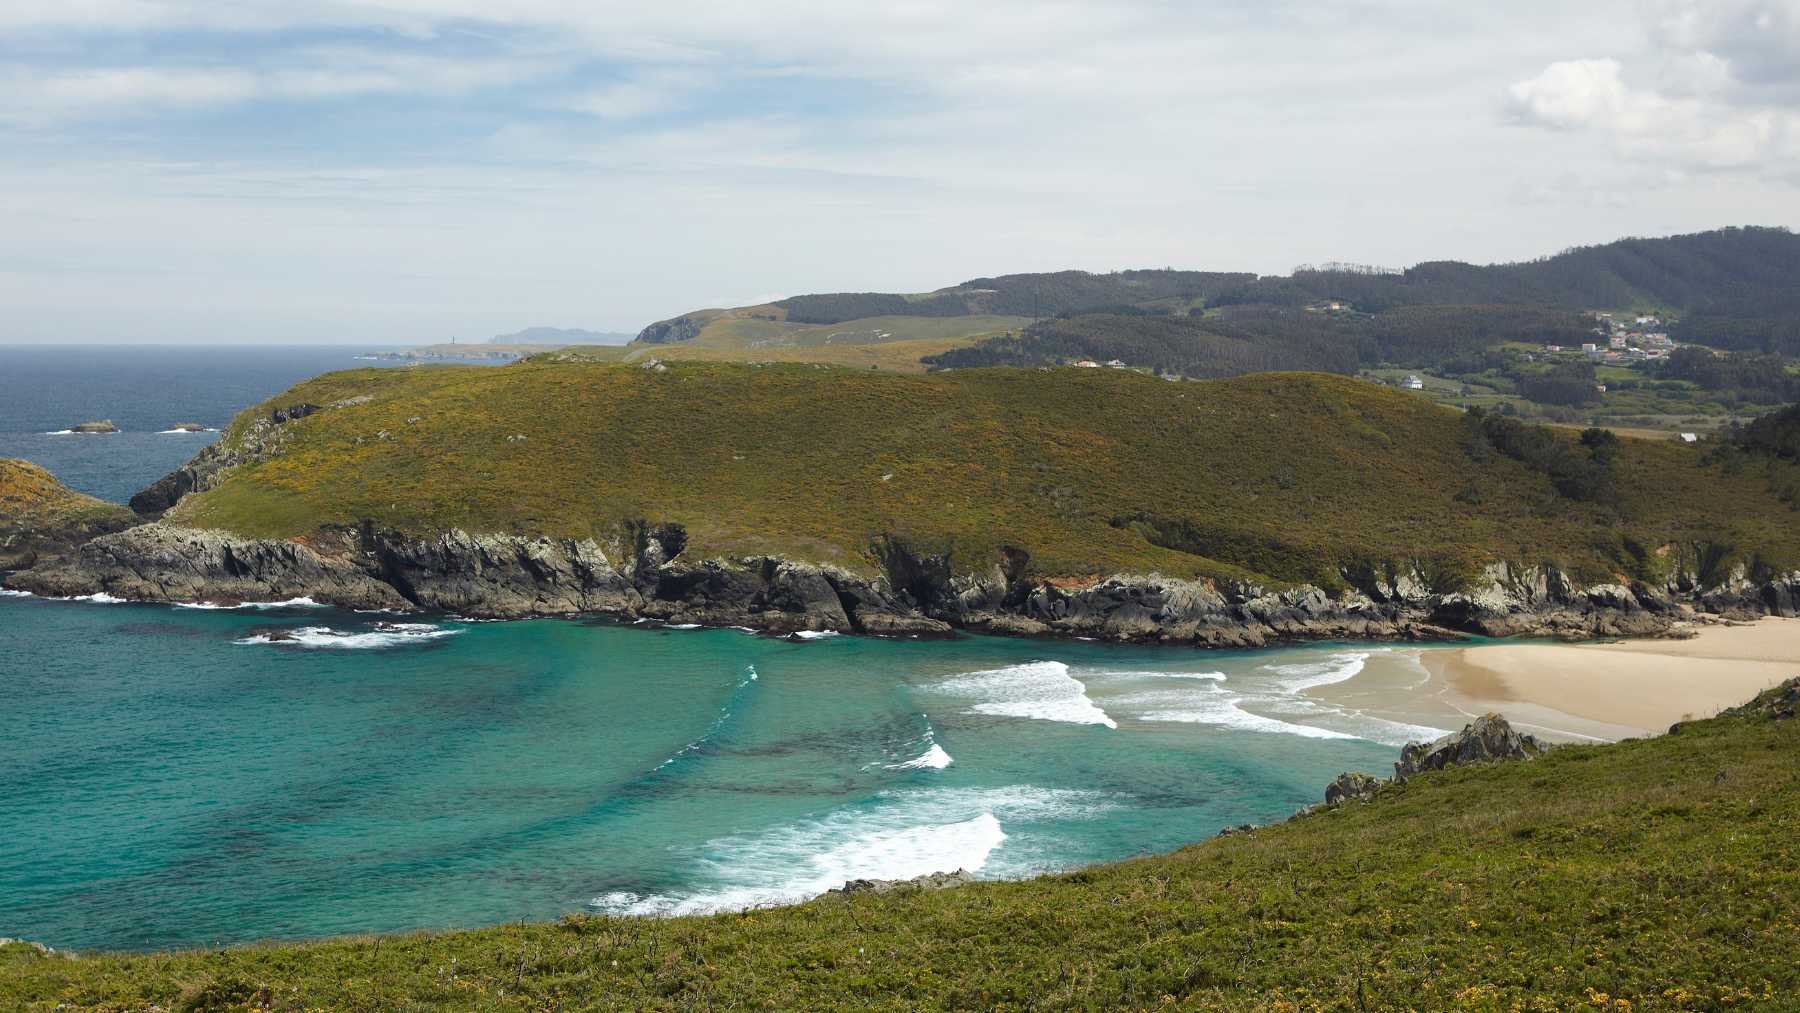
[[158, 562], [1486, 739], [1351, 786], [501, 576], [930, 881], [682, 328], [96, 426], [650, 574]]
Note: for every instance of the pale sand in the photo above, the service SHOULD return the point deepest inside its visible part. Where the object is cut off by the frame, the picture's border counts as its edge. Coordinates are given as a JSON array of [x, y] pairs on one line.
[[1598, 691]]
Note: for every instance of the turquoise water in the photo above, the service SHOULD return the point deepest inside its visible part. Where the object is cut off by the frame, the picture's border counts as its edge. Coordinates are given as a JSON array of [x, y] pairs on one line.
[[175, 776]]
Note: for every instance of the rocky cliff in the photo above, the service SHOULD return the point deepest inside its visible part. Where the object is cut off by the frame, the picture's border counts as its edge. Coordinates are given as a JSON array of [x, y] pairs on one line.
[[650, 575], [41, 519]]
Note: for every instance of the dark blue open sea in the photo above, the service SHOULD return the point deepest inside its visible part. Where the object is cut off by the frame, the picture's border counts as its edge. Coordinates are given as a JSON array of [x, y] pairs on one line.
[[144, 390], [172, 776]]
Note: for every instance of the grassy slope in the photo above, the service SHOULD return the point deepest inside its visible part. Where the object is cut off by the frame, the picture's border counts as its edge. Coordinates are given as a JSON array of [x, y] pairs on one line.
[[756, 334], [1664, 872], [29, 494], [1287, 469]]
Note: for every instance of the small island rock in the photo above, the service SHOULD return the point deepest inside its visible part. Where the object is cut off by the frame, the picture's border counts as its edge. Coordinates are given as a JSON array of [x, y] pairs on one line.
[[95, 426]]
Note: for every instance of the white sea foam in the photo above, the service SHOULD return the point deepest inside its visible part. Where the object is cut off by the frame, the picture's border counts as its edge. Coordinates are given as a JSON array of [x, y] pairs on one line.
[[931, 759], [1207, 676], [291, 603], [681, 626], [898, 835], [1043, 690], [170, 432], [1213, 705], [97, 598], [814, 634], [1332, 668], [383, 635], [7, 592]]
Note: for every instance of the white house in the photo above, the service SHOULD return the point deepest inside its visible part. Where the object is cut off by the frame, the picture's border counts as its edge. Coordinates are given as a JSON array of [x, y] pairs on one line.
[[1690, 438], [1412, 382], [1115, 364], [1085, 364]]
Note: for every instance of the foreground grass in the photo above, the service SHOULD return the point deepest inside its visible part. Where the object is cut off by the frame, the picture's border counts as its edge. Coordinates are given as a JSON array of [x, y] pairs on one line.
[[1285, 476], [1661, 874]]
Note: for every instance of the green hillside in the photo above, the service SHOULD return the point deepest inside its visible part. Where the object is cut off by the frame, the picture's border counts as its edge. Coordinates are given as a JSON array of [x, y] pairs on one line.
[[1650, 875], [40, 516], [1090, 471]]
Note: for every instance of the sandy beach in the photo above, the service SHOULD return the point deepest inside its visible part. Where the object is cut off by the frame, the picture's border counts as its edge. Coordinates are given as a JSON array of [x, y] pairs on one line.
[[1579, 692]]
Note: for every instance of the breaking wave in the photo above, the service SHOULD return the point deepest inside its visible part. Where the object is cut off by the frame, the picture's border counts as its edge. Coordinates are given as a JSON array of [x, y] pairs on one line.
[[1333, 668], [1043, 690], [97, 598], [382, 635], [1216, 706], [896, 835], [291, 603]]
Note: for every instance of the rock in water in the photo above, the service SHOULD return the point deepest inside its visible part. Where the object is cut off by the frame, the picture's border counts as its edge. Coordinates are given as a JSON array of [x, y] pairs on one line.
[[187, 427], [1489, 738], [1351, 786], [96, 426]]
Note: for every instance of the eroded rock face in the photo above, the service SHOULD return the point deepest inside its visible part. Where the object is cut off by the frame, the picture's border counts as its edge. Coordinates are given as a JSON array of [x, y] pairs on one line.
[[1487, 739], [501, 576], [158, 562]]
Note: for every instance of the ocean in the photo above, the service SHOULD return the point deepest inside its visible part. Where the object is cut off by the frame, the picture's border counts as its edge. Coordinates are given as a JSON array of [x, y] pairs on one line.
[[177, 776], [145, 390]]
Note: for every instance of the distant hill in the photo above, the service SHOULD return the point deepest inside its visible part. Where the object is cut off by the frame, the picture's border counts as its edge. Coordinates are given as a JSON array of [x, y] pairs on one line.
[[560, 336], [1734, 288]]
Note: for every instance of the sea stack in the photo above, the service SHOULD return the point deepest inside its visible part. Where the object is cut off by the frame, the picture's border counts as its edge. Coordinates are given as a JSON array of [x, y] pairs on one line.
[[186, 427], [96, 426]]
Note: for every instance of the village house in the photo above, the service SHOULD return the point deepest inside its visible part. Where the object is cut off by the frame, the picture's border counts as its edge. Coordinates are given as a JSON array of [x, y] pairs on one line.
[[1085, 364], [1412, 382]]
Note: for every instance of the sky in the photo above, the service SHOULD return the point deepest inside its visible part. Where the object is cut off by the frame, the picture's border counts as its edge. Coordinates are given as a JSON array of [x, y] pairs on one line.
[[416, 170]]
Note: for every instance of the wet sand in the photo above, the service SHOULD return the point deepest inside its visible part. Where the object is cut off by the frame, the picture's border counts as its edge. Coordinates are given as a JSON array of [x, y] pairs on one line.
[[1578, 692]]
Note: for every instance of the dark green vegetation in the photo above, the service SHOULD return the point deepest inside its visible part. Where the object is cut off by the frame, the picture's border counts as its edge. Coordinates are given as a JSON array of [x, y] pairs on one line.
[[1727, 273], [1247, 339], [1656, 874], [41, 516], [1091, 472], [1026, 295]]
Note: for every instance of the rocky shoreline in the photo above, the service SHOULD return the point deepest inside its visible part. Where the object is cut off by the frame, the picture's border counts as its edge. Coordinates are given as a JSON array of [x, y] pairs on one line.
[[650, 576]]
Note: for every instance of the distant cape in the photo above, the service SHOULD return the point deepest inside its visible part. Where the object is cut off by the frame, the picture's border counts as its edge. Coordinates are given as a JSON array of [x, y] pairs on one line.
[[560, 336]]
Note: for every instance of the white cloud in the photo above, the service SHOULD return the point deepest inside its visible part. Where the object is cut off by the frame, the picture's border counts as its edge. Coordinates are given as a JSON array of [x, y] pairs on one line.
[[606, 163], [1712, 95]]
